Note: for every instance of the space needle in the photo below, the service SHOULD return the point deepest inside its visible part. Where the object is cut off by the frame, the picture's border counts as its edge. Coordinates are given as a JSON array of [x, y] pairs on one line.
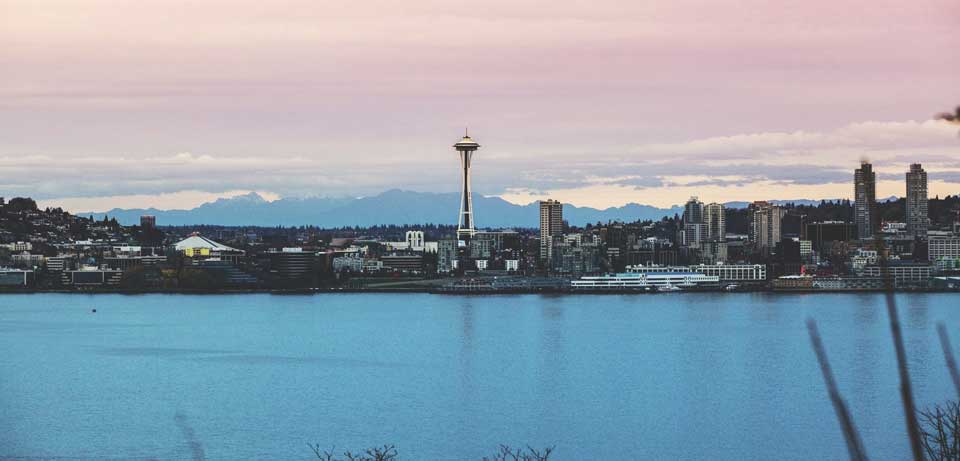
[[465, 224]]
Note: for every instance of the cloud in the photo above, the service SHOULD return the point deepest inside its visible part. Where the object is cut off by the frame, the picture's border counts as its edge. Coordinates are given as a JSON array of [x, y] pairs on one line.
[[867, 137], [761, 162], [756, 163]]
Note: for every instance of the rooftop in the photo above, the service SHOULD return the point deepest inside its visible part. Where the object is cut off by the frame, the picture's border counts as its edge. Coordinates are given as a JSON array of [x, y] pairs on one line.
[[199, 241]]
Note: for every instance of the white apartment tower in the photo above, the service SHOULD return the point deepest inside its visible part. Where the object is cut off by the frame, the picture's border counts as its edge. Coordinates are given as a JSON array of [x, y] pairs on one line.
[[765, 225], [716, 222]]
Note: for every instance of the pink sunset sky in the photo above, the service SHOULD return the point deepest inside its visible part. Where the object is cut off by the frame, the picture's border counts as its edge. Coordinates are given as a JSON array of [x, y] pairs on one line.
[[107, 103]]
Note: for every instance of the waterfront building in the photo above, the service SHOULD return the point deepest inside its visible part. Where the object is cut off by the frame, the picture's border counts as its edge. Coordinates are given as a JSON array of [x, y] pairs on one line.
[[918, 220], [865, 200], [733, 272], [945, 283], [792, 282], [551, 225], [511, 265], [645, 280], [903, 274], [15, 277], [292, 263], [466, 226], [944, 247], [724, 272], [847, 283], [91, 276]]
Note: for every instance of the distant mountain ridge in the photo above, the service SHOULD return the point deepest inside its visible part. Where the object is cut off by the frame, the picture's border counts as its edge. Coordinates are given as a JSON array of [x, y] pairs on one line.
[[390, 207]]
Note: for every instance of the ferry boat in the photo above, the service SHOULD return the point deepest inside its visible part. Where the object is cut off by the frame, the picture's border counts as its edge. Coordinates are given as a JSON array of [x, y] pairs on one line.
[[629, 281], [668, 288]]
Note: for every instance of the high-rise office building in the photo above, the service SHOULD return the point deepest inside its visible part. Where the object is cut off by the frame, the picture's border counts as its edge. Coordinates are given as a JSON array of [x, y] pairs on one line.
[[466, 226], [149, 221], [694, 230], [865, 200], [765, 225], [716, 222], [551, 225], [918, 221], [693, 211]]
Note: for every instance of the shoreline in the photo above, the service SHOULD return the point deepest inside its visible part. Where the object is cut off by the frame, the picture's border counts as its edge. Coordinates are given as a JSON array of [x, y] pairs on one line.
[[317, 291]]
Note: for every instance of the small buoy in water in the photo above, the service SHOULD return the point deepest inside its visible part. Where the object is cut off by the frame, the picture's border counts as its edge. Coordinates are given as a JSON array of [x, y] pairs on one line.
[[94, 311]]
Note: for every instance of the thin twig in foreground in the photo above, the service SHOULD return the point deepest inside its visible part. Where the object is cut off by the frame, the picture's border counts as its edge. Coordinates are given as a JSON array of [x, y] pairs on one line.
[[906, 390], [948, 356], [850, 434]]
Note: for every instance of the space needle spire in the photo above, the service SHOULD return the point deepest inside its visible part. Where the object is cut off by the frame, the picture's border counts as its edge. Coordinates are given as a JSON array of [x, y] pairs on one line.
[[466, 226]]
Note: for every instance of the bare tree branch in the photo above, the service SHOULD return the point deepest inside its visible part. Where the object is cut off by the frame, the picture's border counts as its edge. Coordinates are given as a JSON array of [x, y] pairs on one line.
[[906, 389], [948, 356], [850, 434]]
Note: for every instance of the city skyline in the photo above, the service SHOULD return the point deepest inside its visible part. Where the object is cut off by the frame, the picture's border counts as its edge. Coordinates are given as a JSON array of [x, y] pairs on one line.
[[517, 229], [114, 105]]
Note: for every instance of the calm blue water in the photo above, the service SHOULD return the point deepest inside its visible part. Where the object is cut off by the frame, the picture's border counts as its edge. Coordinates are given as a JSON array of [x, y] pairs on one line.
[[691, 376]]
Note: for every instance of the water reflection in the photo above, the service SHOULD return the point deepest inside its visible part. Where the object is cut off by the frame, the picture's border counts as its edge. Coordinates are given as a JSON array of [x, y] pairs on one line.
[[917, 310], [867, 309], [552, 354], [466, 341]]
